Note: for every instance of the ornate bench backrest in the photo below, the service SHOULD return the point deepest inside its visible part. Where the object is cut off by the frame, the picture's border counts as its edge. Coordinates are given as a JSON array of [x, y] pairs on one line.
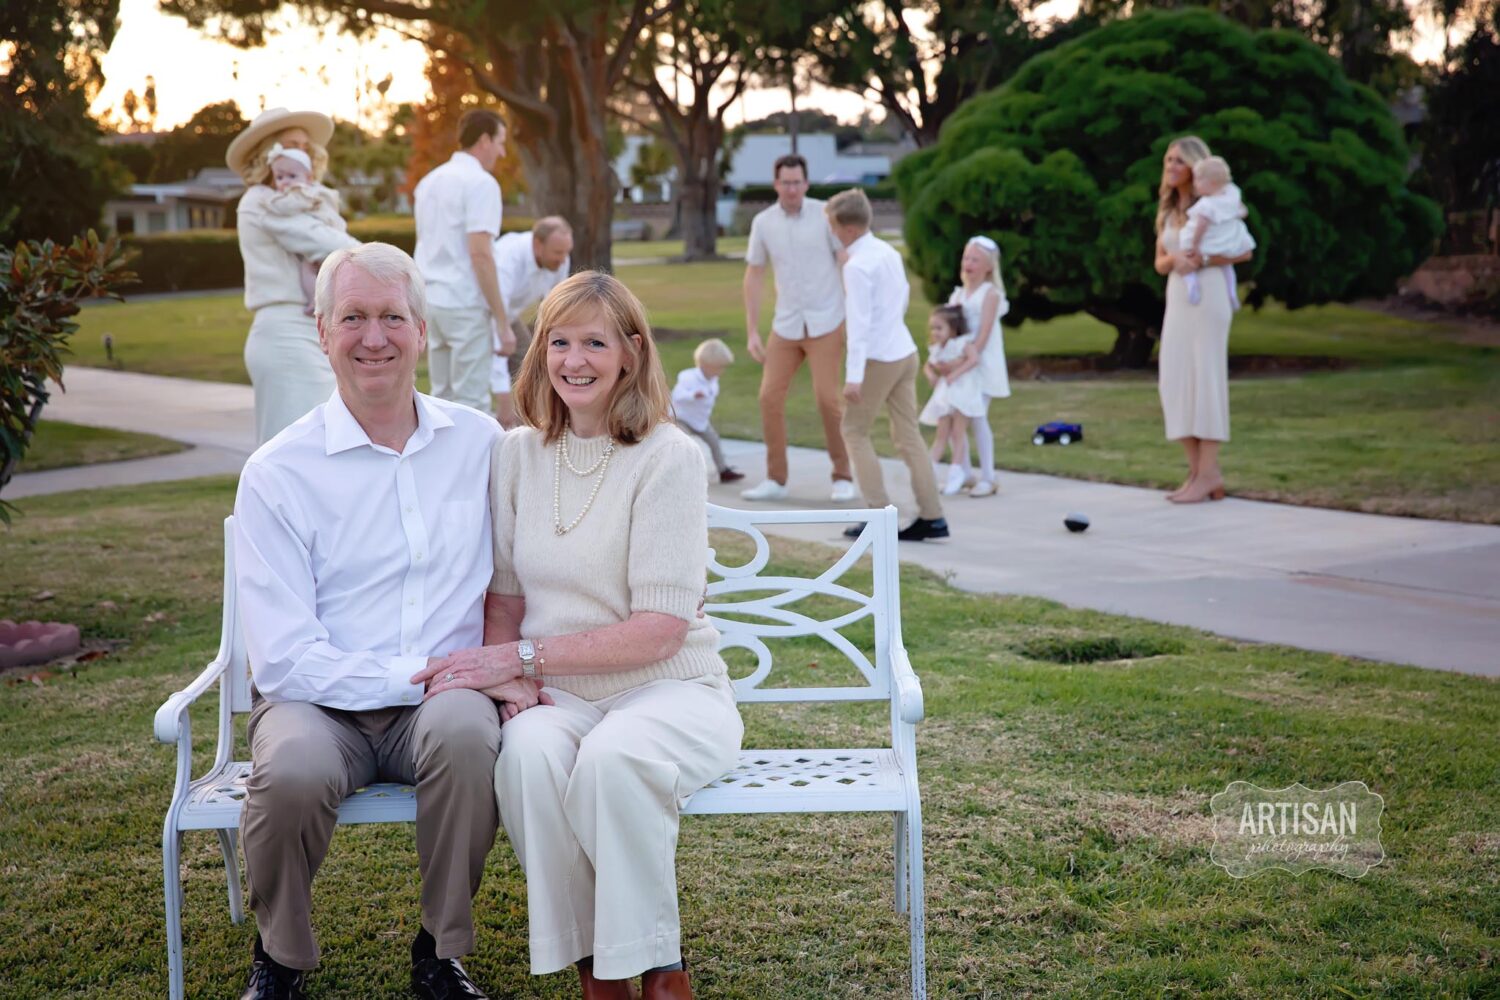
[[742, 623], [746, 623]]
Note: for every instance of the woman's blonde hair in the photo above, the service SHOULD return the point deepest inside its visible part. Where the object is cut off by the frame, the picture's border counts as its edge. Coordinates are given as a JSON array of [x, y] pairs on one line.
[[640, 399], [257, 169], [1173, 205]]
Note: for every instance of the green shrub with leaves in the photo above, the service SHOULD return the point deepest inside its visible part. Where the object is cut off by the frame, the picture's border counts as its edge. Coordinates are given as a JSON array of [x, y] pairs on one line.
[[41, 284], [1061, 165]]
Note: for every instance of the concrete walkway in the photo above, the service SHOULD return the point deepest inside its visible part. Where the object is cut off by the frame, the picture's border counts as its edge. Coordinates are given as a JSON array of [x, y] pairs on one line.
[[1425, 593]]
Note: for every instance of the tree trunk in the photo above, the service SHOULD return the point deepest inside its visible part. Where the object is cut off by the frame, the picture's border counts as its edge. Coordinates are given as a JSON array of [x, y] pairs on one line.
[[1133, 346], [698, 186], [579, 190]]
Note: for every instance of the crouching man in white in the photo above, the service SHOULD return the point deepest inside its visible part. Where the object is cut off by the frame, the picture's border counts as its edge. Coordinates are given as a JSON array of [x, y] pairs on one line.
[[362, 555]]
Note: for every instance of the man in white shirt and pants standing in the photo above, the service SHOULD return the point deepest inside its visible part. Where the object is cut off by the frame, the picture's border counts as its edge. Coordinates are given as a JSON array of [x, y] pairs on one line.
[[793, 235], [527, 266], [881, 371], [362, 552], [457, 209]]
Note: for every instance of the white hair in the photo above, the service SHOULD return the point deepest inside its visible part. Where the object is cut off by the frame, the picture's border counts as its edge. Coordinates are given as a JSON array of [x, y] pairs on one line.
[[380, 261]]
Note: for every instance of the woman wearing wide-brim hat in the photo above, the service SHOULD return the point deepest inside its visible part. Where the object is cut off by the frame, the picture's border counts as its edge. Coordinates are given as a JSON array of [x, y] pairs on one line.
[[287, 367]]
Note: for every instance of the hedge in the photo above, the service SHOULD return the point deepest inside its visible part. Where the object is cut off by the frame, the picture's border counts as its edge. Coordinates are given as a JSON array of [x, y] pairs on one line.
[[881, 191], [210, 258]]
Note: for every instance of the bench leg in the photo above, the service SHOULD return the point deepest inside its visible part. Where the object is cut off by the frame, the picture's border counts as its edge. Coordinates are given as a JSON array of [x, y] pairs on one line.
[[228, 846], [171, 863], [918, 912], [901, 872]]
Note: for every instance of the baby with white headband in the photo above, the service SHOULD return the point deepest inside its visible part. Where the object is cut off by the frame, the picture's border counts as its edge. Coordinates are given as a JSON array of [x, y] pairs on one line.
[[1215, 223], [298, 193]]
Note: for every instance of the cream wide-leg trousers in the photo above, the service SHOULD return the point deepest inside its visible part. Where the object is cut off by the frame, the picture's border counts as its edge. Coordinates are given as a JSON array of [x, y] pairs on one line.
[[589, 794], [288, 370]]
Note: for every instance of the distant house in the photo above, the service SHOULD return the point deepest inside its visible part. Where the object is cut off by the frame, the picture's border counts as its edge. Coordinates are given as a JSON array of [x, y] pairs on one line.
[[751, 163], [203, 202]]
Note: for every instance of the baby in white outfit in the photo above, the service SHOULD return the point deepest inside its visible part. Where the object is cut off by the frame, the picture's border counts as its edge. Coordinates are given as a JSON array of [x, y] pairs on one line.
[[297, 193], [1215, 223]]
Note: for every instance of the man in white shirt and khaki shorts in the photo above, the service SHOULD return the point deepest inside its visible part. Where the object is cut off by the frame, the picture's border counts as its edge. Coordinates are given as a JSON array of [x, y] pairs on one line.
[[362, 554], [527, 266], [457, 209], [793, 236]]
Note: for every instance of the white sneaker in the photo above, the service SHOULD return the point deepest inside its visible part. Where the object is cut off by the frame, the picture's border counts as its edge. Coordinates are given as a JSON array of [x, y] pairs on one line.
[[954, 482], [984, 488], [843, 491], [769, 489]]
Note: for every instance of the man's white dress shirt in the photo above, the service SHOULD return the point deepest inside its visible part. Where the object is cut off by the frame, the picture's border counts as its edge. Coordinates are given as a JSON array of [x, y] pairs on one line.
[[696, 413], [523, 282], [353, 563], [876, 294], [453, 200], [801, 249]]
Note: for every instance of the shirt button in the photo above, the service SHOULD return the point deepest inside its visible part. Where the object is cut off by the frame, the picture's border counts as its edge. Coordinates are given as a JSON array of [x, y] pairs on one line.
[[408, 508], [412, 603], [419, 557]]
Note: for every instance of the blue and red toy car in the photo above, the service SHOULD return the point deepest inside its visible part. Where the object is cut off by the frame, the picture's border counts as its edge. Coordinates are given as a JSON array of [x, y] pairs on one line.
[[1058, 432]]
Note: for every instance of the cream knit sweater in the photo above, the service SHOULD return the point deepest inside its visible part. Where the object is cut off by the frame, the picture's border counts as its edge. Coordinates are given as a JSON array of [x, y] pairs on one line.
[[643, 546]]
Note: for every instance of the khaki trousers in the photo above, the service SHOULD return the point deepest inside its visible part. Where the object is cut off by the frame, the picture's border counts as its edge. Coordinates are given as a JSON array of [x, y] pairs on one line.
[[307, 759], [825, 359], [589, 793], [893, 386], [459, 348]]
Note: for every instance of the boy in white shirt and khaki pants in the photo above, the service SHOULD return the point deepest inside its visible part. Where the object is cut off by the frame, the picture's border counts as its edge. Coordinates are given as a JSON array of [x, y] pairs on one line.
[[881, 369]]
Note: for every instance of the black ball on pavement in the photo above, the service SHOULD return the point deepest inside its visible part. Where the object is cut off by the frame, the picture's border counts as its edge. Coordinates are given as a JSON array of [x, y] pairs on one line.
[[1076, 522]]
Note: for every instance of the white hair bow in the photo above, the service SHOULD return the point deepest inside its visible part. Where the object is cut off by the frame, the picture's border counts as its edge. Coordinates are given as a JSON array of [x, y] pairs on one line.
[[986, 243], [277, 151]]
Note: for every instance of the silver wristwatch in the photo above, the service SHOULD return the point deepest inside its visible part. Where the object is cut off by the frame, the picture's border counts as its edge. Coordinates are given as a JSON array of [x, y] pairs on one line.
[[527, 651]]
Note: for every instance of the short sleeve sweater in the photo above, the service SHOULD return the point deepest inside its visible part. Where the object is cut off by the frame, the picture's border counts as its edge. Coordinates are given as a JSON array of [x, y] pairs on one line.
[[642, 546]]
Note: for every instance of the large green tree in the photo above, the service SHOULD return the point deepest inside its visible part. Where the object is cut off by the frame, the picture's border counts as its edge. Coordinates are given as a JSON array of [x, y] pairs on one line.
[[54, 175], [921, 59], [1062, 165]]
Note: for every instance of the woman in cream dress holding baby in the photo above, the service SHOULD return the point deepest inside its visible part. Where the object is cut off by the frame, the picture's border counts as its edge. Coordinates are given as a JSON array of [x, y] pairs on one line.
[[287, 367], [1193, 364]]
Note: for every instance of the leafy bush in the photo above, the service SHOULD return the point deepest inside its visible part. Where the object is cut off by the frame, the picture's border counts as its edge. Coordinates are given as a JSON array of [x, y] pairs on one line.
[[210, 258], [1061, 165], [40, 285]]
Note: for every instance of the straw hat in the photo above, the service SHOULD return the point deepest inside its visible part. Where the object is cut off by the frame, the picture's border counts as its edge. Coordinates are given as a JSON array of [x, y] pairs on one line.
[[318, 126]]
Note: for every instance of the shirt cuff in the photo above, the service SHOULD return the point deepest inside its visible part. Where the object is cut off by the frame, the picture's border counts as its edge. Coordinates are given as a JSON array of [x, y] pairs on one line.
[[855, 374], [679, 602], [399, 688]]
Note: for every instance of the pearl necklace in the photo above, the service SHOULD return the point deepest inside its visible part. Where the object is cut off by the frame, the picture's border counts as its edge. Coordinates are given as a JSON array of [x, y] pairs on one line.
[[563, 458]]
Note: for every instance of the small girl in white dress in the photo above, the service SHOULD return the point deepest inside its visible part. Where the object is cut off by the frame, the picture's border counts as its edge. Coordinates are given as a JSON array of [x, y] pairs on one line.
[[297, 194], [956, 395], [1215, 223], [981, 295]]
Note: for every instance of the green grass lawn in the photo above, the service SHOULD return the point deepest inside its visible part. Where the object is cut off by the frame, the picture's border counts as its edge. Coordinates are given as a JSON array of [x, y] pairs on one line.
[[1066, 808], [1410, 425], [57, 445]]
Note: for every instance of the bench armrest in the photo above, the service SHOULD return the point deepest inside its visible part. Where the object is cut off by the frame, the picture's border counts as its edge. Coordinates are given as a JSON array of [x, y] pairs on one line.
[[908, 688], [168, 725]]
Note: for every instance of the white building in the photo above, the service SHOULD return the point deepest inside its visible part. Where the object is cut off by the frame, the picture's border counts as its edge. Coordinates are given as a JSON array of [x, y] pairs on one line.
[[204, 202], [752, 163]]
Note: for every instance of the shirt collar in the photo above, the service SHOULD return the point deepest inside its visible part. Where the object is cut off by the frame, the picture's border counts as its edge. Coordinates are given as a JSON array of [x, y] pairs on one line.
[[343, 433], [861, 243], [466, 159], [793, 215]]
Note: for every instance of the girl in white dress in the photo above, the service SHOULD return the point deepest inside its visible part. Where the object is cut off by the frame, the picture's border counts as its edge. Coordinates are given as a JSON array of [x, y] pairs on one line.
[[981, 295], [956, 396]]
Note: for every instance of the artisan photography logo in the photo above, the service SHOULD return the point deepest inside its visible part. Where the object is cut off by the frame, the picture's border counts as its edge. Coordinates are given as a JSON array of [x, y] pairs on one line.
[[1297, 828]]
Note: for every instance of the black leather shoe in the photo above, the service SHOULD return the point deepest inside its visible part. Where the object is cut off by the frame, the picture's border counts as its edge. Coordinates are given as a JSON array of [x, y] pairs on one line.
[[921, 530], [269, 981], [854, 530], [443, 979]]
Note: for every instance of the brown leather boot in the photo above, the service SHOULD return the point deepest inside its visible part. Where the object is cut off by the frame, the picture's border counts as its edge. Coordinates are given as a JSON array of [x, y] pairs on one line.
[[672, 985], [604, 989]]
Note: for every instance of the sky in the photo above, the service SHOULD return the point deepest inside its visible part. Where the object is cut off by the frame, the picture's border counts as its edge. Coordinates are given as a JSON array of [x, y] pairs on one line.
[[302, 67]]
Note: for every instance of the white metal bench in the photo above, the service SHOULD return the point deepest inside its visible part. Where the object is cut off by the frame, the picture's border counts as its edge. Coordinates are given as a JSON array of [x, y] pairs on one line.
[[879, 779]]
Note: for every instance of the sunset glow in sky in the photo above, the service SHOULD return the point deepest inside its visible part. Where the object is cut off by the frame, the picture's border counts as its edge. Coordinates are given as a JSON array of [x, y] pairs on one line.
[[303, 67]]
